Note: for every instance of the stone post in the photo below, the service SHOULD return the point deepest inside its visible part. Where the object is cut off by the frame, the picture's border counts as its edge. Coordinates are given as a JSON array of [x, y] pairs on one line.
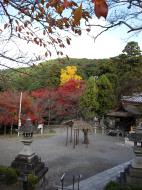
[[135, 171]]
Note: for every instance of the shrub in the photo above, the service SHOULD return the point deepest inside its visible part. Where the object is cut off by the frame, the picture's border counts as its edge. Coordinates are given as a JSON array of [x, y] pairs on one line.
[[112, 185], [9, 175], [32, 181]]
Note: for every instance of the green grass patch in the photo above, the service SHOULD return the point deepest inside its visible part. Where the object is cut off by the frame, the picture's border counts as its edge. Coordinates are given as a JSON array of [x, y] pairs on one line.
[[8, 175]]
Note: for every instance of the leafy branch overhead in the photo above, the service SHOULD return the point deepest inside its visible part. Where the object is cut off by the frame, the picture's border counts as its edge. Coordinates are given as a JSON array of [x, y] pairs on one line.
[[49, 24], [41, 21]]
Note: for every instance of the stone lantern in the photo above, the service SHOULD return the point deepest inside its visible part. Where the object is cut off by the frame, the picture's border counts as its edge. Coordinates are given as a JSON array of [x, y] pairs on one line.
[[135, 171], [27, 132], [27, 161]]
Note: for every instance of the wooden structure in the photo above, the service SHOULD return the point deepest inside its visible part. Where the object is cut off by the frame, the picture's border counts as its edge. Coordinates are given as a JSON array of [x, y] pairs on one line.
[[133, 104], [128, 112], [75, 127], [123, 120], [69, 126]]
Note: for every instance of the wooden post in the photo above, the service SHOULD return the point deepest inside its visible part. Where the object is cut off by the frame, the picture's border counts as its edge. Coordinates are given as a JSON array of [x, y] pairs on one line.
[[103, 130], [76, 135], [67, 137], [71, 135], [88, 138], [4, 129], [74, 140], [11, 129]]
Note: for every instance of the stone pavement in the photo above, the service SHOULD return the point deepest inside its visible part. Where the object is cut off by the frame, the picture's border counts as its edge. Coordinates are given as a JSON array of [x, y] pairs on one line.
[[98, 181], [103, 152]]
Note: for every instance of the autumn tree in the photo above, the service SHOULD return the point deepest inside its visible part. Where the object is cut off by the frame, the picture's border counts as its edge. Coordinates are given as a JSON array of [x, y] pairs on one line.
[[9, 106], [45, 104], [9, 109], [69, 73], [42, 22], [49, 23], [123, 14], [68, 98]]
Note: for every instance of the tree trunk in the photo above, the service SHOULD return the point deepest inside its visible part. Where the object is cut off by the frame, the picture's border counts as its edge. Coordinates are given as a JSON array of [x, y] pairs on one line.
[[4, 129], [49, 116], [86, 139], [11, 130]]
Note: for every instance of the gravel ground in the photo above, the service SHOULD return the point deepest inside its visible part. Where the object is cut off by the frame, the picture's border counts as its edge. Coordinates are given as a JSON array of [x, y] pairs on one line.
[[102, 153]]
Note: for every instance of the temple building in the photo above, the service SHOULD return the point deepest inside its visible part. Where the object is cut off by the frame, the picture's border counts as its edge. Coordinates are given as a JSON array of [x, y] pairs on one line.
[[128, 114]]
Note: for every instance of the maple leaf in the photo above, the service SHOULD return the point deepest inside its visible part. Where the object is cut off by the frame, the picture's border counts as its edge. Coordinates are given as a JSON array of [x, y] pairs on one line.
[[100, 8], [68, 41], [66, 4], [42, 2], [77, 15], [6, 1], [59, 9]]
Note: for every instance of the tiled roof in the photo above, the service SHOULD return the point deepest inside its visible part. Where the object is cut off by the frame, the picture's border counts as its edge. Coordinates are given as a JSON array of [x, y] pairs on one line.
[[119, 114], [133, 99], [80, 124]]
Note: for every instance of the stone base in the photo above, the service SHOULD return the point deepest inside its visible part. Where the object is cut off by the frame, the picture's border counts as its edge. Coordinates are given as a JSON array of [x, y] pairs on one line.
[[134, 181], [27, 162], [134, 176], [29, 165], [135, 172], [137, 162]]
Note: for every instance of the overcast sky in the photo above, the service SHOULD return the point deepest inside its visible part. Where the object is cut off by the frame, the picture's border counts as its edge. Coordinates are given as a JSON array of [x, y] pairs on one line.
[[109, 44]]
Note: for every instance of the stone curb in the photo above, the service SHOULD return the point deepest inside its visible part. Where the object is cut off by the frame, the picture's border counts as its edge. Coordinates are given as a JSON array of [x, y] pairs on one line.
[[98, 181]]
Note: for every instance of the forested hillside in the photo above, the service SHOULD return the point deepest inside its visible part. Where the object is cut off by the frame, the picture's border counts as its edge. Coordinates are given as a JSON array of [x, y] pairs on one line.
[[69, 88], [124, 72]]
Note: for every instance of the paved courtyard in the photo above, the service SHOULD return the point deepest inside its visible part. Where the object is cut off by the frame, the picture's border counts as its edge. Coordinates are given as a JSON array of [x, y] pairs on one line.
[[102, 153]]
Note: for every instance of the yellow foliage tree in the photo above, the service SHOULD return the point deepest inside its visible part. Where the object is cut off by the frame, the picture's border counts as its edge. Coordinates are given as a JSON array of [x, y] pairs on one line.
[[70, 72]]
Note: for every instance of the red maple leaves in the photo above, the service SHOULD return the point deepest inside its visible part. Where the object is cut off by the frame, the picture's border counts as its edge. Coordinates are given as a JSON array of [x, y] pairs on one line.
[[100, 8], [42, 103]]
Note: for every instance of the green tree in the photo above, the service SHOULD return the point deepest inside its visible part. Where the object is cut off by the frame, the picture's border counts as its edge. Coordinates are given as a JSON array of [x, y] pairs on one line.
[[88, 101], [129, 82], [105, 96], [132, 49], [49, 74]]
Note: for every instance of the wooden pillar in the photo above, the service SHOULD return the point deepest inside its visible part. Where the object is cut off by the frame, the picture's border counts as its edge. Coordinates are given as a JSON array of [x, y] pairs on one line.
[[76, 136], [103, 130], [71, 135], [74, 139], [67, 137]]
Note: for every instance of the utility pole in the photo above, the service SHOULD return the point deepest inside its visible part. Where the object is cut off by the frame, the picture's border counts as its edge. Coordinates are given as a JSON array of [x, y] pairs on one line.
[[19, 115]]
